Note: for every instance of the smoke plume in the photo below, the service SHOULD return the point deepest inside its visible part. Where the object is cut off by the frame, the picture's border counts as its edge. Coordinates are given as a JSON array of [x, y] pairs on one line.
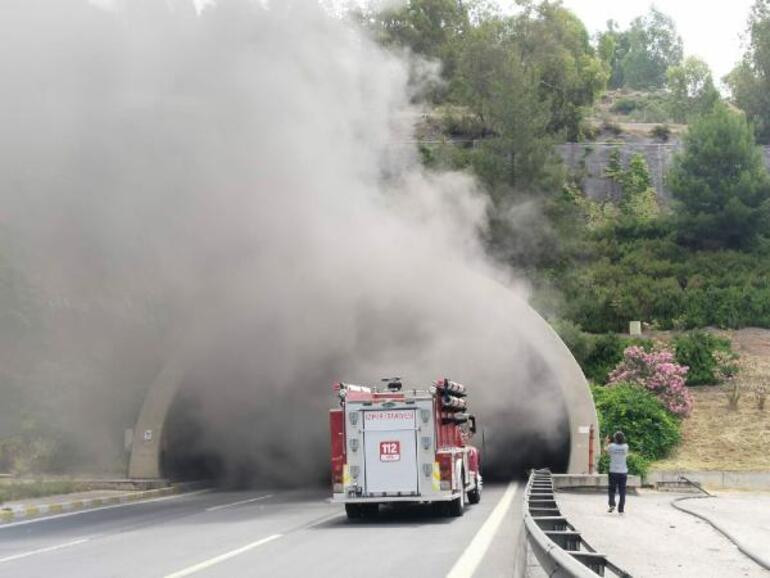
[[233, 186]]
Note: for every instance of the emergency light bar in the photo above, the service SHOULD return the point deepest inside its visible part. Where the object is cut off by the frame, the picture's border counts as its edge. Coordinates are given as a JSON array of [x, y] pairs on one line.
[[343, 388]]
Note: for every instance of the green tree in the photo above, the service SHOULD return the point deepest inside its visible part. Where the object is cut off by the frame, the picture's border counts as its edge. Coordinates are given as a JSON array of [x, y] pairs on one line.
[[516, 160], [691, 89], [431, 28], [637, 201], [555, 46], [720, 183], [612, 46], [491, 79], [749, 82], [653, 47]]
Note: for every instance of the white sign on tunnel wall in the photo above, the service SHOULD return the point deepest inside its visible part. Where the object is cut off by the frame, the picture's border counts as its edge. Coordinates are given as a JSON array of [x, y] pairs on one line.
[[147, 435]]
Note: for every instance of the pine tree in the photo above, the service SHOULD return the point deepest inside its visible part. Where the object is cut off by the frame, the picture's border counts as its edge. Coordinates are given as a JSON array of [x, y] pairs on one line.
[[721, 184]]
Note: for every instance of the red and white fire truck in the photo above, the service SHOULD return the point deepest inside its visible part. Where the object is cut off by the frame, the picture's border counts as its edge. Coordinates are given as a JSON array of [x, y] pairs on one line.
[[393, 444]]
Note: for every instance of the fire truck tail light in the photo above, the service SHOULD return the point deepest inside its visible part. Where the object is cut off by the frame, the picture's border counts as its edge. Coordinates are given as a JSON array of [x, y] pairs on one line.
[[446, 485], [445, 467], [338, 488], [354, 471]]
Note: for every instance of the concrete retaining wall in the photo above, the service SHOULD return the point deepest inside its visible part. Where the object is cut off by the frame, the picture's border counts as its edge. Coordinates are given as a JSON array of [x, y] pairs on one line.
[[591, 159], [756, 480], [590, 481]]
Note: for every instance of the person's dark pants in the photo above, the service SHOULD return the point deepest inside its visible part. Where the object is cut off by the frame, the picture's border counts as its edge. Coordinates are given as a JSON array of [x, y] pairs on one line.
[[618, 484]]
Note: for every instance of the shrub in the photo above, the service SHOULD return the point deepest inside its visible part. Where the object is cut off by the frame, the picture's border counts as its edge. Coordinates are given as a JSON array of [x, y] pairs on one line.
[[605, 354], [698, 350], [612, 127], [597, 355], [579, 343], [589, 131], [661, 132], [734, 395], [650, 429], [36, 489], [27, 454], [760, 394], [637, 465], [657, 372], [625, 105]]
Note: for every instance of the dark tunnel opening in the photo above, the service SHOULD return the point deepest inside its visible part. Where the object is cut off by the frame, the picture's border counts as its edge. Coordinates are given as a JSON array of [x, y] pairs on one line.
[[184, 454], [230, 457], [529, 449]]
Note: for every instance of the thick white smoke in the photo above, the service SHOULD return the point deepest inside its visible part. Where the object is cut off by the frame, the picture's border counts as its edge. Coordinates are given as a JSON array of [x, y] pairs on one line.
[[231, 183]]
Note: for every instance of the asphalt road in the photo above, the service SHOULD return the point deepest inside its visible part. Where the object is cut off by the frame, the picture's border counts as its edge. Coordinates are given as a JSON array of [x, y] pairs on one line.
[[265, 533]]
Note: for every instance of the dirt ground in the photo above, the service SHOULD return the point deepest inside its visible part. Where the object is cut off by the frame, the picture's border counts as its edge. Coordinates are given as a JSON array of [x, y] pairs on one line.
[[718, 438]]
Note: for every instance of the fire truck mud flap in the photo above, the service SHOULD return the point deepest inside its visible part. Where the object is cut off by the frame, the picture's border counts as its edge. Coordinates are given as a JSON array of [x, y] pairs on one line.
[[474, 495], [456, 507]]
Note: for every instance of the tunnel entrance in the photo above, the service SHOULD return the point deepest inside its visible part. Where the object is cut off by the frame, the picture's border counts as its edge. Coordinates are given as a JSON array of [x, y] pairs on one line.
[[237, 435], [531, 450], [185, 454], [236, 443]]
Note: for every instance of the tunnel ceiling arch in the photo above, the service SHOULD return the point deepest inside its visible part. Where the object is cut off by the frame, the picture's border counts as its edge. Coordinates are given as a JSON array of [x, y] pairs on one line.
[[503, 349]]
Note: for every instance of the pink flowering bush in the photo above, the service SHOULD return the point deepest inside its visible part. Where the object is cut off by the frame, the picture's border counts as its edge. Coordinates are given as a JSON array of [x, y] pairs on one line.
[[658, 372]]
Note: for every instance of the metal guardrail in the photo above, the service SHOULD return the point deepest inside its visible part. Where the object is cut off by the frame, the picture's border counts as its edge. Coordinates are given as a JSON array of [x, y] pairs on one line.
[[558, 546]]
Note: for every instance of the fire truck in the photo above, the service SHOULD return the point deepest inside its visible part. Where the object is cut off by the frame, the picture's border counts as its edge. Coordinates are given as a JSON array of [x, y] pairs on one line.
[[391, 445]]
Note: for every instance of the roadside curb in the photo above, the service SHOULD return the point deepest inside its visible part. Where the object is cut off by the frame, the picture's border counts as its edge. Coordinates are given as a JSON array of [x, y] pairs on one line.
[[33, 511], [763, 561]]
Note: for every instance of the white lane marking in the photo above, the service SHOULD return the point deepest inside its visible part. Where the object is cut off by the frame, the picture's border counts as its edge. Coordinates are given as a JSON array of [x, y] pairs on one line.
[[222, 557], [100, 508], [249, 501], [467, 564], [43, 550]]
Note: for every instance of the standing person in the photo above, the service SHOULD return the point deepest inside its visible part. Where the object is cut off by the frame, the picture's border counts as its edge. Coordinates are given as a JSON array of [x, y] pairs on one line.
[[618, 452]]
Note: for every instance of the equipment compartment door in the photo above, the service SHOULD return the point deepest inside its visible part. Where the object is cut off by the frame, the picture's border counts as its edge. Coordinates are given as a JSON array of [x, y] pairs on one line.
[[390, 451]]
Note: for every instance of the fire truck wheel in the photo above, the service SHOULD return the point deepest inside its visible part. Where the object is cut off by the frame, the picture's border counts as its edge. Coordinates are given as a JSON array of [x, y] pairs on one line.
[[353, 511], [474, 496], [370, 510], [457, 507]]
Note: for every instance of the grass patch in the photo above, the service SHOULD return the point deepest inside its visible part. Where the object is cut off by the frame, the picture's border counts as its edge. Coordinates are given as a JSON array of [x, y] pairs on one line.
[[716, 438], [21, 490]]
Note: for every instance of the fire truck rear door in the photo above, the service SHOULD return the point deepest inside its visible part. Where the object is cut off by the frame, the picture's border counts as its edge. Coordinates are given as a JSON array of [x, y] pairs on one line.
[[390, 451]]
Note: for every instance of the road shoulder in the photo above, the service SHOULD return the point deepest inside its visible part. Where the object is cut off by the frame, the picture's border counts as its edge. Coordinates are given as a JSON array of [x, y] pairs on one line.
[[655, 539], [41, 508]]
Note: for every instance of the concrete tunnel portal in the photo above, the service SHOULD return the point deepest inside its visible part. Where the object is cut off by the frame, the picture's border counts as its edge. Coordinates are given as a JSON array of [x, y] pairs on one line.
[[189, 429]]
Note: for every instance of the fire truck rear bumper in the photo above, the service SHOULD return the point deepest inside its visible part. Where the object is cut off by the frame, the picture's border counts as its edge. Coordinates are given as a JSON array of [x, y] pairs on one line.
[[343, 499]]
